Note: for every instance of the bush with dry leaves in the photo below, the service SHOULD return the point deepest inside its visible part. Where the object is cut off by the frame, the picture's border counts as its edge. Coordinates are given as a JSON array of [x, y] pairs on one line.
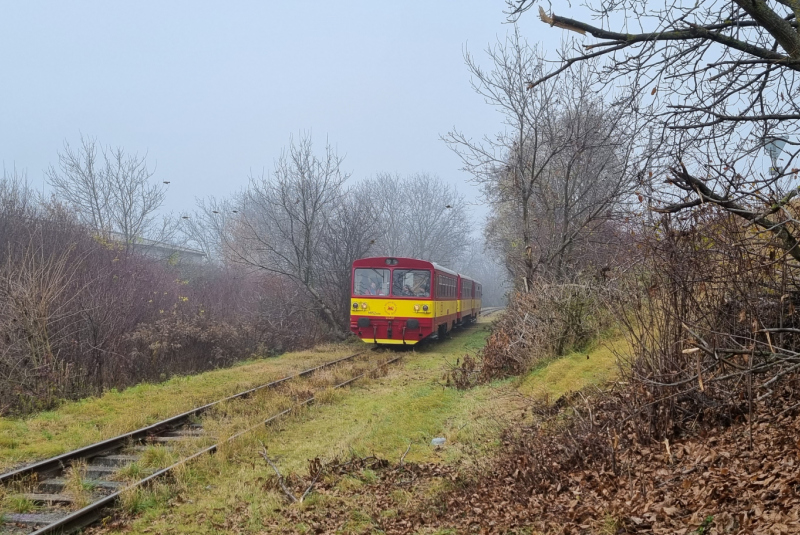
[[554, 318]]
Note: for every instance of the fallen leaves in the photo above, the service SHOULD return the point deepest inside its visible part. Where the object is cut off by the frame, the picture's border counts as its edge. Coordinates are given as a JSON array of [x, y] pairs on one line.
[[561, 480]]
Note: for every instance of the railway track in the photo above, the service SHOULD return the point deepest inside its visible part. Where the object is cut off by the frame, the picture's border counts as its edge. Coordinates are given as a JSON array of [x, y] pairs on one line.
[[486, 311], [59, 512]]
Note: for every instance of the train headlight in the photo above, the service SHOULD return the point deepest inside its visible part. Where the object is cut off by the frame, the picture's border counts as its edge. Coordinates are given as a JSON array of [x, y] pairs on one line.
[[355, 306], [363, 306], [424, 308], [416, 308]]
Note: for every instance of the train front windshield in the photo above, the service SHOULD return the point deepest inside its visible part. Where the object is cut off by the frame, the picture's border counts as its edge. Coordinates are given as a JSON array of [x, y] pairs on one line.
[[371, 281], [411, 283]]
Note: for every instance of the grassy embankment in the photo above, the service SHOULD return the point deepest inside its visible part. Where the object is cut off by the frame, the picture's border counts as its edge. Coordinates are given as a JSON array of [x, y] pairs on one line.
[[381, 417], [84, 422]]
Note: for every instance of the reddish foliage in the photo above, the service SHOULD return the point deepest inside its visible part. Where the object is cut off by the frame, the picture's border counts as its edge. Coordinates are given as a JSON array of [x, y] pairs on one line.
[[79, 314]]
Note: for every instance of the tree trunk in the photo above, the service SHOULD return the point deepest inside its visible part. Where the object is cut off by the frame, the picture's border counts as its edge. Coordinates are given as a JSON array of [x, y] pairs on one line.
[[327, 313]]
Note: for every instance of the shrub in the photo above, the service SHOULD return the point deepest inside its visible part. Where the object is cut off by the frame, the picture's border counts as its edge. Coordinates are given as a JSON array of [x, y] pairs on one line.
[[80, 314], [711, 317], [550, 320]]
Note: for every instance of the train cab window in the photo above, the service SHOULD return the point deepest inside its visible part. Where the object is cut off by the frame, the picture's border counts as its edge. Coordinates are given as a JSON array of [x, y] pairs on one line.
[[411, 283], [371, 281]]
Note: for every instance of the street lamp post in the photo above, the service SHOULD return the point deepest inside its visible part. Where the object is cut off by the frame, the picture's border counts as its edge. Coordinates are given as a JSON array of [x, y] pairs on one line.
[[774, 147]]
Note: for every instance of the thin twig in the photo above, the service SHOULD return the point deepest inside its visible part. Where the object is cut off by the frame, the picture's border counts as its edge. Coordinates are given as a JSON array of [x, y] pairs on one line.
[[406, 453], [311, 485], [280, 477]]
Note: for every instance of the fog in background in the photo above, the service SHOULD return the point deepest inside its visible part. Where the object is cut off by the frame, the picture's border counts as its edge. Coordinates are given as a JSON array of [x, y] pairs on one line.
[[212, 91]]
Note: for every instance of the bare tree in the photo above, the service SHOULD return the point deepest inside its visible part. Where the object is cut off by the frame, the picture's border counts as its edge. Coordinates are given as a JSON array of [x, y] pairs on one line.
[[280, 225], [204, 228], [480, 263], [559, 168], [386, 194], [351, 231], [420, 216], [39, 273], [111, 192], [520, 151], [18, 202], [31, 296], [717, 82]]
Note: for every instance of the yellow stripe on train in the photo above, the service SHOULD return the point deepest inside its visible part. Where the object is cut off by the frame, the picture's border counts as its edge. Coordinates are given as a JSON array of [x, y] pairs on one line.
[[403, 308]]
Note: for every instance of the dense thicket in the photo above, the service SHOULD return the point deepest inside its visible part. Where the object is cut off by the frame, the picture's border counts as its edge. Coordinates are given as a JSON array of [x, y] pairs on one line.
[[703, 274], [79, 314]]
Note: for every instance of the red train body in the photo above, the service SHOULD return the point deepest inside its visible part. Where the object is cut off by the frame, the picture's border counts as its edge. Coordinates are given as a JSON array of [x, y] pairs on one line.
[[404, 300]]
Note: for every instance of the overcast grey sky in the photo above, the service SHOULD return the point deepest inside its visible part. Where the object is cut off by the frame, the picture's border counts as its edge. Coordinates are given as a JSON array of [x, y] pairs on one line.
[[213, 90]]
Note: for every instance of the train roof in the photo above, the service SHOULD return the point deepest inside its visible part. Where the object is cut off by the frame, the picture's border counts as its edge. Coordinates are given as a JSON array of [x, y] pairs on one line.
[[401, 263], [469, 278]]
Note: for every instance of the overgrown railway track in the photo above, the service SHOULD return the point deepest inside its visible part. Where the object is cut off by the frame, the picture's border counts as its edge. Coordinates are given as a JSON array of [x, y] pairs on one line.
[[59, 512]]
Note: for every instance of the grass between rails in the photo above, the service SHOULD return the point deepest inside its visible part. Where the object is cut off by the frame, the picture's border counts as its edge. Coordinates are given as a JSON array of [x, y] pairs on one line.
[[231, 491], [84, 422]]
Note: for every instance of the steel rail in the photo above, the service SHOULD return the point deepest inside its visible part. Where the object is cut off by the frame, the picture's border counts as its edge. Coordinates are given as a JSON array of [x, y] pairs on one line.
[[58, 462], [92, 512]]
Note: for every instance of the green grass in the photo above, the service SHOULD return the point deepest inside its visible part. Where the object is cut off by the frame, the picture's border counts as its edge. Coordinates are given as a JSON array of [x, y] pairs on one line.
[[131, 472], [575, 371], [19, 504], [410, 405], [156, 457], [139, 500], [381, 417], [377, 417], [90, 420]]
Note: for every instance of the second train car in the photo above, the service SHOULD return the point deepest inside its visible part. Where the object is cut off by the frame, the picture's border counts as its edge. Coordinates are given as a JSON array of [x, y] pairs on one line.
[[404, 300]]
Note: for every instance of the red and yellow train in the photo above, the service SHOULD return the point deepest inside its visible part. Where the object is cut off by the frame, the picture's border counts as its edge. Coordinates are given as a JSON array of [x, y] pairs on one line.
[[403, 300]]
